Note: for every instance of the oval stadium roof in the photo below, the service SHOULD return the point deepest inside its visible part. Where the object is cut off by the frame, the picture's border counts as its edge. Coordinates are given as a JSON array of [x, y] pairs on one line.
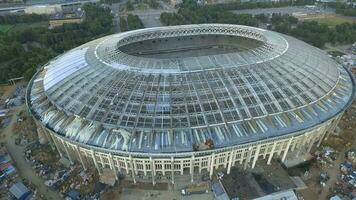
[[164, 89]]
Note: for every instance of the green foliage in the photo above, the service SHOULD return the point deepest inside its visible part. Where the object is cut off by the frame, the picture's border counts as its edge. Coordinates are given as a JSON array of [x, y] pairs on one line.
[[24, 49], [170, 19], [314, 33], [15, 19], [129, 6], [343, 9], [152, 3], [238, 5], [5, 28], [134, 22], [192, 13], [123, 24]]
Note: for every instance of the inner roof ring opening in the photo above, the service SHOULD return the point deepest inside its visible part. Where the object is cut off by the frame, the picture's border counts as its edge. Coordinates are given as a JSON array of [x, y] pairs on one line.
[[189, 48]]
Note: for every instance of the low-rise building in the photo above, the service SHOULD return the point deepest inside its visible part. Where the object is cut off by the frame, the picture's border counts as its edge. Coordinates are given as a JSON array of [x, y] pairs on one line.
[[67, 16]]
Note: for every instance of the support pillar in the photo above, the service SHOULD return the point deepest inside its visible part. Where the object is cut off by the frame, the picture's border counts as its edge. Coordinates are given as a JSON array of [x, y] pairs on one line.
[[112, 166], [153, 173], [56, 144], [247, 160], [181, 167], [242, 156], [286, 149], [301, 146], [192, 168], [333, 126], [295, 141], [311, 144], [257, 152], [322, 136], [132, 169], [126, 166], [145, 168], [172, 169], [231, 161], [81, 158], [200, 164], [67, 152], [212, 161], [95, 162], [271, 153], [266, 151]]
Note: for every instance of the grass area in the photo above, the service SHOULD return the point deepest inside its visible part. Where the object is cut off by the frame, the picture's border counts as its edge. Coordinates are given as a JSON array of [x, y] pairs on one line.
[[5, 27], [331, 20]]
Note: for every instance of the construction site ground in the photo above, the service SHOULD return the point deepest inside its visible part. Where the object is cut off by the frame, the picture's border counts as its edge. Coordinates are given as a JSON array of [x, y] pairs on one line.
[[8, 137], [342, 141]]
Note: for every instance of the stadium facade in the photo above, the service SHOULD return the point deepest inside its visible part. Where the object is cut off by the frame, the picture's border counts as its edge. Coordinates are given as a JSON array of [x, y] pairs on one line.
[[162, 102]]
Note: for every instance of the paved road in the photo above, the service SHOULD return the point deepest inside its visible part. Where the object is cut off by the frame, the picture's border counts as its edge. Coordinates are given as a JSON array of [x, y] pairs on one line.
[[23, 167]]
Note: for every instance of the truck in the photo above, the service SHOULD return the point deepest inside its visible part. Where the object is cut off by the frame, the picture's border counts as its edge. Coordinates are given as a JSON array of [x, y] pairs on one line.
[[199, 188]]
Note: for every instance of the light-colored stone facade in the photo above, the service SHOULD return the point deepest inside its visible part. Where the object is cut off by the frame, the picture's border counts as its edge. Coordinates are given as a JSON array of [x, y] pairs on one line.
[[157, 167]]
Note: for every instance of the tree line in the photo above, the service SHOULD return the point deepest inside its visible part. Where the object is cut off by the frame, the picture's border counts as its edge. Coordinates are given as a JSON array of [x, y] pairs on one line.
[[22, 51], [343, 8], [311, 32], [15, 19], [132, 22]]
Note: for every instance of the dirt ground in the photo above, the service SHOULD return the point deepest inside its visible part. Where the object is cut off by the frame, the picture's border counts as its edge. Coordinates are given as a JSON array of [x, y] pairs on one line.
[[5, 92], [8, 137], [343, 141]]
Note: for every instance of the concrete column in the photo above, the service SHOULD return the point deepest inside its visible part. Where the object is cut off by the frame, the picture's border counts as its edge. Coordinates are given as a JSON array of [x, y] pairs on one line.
[[126, 166], [231, 161], [81, 158], [211, 166], [56, 144], [112, 166], [322, 135], [286, 149], [200, 164], [311, 144], [266, 150], [95, 162], [257, 152], [181, 167], [67, 152], [248, 158], [332, 127], [132, 169], [295, 141], [144, 168], [163, 168], [153, 171], [172, 169], [302, 144], [271, 153], [192, 168], [242, 156], [226, 159]]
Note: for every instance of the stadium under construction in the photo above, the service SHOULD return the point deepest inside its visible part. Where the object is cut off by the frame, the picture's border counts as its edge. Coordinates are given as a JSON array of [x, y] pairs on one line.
[[161, 102]]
